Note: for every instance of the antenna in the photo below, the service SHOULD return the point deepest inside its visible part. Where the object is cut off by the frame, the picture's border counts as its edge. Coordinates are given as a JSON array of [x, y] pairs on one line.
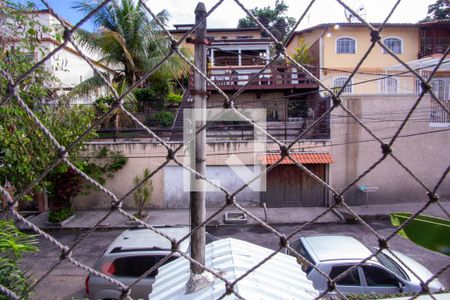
[[358, 8]]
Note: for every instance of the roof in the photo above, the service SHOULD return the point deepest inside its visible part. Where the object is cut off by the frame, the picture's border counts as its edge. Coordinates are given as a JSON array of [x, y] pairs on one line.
[[427, 64], [219, 29], [331, 25], [336, 247], [436, 23], [146, 238], [303, 158], [279, 278]]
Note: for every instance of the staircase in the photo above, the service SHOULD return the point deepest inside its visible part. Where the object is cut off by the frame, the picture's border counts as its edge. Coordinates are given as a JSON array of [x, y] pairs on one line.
[[177, 126]]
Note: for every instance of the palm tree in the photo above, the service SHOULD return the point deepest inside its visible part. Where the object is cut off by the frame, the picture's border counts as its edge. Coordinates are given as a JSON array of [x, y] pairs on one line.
[[129, 41]]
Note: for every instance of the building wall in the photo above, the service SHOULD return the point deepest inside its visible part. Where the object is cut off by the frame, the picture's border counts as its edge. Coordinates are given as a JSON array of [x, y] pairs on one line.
[[336, 65], [377, 60], [423, 152]]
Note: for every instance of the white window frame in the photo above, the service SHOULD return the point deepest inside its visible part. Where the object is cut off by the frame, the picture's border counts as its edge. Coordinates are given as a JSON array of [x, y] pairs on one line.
[[348, 88], [393, 37], [383, 86], [345, 37]]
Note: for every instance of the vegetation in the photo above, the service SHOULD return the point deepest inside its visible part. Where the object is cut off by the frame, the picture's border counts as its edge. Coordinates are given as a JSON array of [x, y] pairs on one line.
[[274, 19], [302, 54], [174, 98], [56, 216], [440, 10], [162, 119], [143, 194], [27, 151], [129, 41], [13, 245]]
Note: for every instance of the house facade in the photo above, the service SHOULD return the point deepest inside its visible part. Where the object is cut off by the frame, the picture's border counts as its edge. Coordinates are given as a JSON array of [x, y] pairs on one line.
[[380, 95]]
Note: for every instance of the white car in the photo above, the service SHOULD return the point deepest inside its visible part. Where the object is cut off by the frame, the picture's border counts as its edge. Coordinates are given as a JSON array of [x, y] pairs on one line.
[[129, 256], [382, 274]]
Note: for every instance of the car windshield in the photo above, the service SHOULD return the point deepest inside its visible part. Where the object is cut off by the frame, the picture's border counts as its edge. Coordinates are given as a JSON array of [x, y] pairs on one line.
[[387, 262], [298, 245]]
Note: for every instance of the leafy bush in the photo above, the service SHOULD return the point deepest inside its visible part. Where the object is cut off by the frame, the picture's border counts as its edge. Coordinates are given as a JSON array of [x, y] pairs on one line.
[[143, 193], [164, 118], [173, 98], [13, 244], [57, 216]]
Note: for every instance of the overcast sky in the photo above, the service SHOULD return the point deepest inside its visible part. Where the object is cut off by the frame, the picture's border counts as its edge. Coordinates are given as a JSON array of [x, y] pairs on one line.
[[228, 14], [322, 11]]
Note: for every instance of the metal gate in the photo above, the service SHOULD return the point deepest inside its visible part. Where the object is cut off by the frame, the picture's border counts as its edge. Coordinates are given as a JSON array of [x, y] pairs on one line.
[[289, 186]]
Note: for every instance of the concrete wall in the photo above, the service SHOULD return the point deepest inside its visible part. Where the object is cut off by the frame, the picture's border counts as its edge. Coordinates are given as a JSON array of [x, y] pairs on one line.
[[167, 185], [424, 152], [177, 197]]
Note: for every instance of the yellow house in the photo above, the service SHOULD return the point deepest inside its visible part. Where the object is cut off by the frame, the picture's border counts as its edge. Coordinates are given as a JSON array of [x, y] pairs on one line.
[[337, 48]]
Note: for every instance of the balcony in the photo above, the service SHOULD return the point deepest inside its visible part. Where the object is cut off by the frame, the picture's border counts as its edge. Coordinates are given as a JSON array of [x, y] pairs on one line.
[[275, 78], [430, 46]]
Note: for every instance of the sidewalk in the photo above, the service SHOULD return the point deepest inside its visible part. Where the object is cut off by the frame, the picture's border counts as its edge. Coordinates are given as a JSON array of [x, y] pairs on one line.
[[276, 216]]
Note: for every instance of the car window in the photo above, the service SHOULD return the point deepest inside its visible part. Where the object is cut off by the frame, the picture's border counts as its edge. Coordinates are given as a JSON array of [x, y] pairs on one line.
[[390, 264], [378, 277], [135, 266], [351, 278]]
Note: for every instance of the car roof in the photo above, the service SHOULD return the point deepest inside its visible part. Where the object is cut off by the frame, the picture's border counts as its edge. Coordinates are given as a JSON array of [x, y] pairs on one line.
[[146, 239], [336, 247]]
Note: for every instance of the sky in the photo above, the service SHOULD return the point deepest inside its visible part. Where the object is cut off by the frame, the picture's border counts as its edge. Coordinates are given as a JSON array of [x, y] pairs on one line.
[[228, 14]]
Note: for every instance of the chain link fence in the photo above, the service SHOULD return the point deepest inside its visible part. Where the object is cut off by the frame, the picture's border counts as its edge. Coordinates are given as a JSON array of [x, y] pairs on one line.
[[230, 198]]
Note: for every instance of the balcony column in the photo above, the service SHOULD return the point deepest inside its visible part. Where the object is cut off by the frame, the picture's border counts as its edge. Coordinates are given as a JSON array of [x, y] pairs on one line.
[[267, 55], [239, 57], [212, 57]]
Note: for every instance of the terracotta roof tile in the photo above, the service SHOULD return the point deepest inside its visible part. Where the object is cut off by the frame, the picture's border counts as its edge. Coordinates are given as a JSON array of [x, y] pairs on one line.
[[303, 158]]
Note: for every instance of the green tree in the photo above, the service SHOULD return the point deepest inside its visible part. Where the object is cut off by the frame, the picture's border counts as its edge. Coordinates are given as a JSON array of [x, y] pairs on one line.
[[440, 10], [302, 54], [275, 19], [129, 41], [27, 151]]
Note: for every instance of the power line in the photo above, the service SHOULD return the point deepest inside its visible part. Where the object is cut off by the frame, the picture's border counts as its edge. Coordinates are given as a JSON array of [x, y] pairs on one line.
[[298, 148]]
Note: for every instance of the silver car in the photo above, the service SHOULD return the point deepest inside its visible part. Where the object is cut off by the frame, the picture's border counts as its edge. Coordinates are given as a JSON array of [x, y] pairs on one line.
[[382, 274], [129, 256]]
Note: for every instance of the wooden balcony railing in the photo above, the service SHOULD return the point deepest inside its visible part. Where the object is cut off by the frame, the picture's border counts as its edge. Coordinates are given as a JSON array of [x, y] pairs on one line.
[[277, 77]]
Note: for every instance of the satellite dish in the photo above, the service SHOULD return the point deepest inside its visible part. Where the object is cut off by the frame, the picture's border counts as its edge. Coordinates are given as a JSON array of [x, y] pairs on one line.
[[359, 9]]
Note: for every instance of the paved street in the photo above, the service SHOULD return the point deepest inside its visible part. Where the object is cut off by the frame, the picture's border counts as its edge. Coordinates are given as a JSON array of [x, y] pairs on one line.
[[67, 281]]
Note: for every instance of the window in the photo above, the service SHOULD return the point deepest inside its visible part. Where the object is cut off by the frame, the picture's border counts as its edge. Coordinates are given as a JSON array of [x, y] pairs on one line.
[[339, 83], [243, 37], [345, 45], [351, 278], [135, 266], [438, 86], [378, 277], [394, 44], [389, 85]]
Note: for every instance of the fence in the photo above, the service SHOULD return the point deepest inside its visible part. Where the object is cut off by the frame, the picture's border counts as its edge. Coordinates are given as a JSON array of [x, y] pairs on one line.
[[230, 198]]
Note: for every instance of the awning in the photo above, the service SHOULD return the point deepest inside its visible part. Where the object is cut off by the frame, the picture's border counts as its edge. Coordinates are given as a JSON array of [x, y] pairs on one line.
[[303, 158]]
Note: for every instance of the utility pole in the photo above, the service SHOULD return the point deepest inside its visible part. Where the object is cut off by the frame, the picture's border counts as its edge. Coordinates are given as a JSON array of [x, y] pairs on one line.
[[197, 195]]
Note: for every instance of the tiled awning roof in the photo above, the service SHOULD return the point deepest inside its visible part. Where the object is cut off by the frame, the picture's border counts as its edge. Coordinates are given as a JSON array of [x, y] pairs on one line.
[[303, 158]]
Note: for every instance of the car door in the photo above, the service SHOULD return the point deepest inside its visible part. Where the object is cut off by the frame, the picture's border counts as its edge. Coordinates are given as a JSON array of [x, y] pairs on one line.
[[380, 281], [351, 282]]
